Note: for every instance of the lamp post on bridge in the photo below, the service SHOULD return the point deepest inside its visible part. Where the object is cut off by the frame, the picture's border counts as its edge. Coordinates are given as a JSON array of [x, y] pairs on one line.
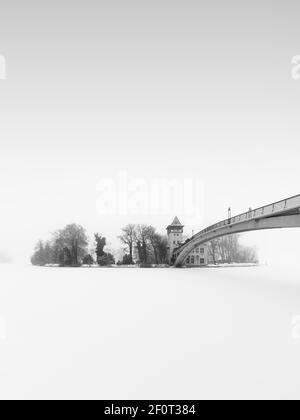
[[229, 214]]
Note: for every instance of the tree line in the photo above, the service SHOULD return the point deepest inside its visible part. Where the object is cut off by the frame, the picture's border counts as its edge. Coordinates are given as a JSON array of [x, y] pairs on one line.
[[143, 244], [68, 247], [228, 249]]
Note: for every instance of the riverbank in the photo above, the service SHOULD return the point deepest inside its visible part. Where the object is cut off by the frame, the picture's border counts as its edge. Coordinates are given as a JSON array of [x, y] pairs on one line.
[[135, 266]]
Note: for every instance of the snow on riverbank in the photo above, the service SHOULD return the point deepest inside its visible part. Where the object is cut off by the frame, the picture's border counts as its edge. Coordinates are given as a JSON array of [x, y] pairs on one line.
[[129, 334]]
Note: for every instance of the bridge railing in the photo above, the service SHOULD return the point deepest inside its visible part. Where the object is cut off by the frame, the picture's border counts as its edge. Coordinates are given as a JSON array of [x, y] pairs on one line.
[[259, 213]]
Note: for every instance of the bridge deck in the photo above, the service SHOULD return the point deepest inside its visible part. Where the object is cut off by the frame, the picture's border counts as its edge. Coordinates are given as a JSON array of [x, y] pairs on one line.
[[288, 206], [281, 207]]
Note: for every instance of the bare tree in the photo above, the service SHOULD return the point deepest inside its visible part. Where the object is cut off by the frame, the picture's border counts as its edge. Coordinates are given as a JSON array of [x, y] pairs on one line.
[[213, 247], [162, 248], [229, 250], [73, 240], [128, 238], [153, 240], [142, 243], [152, 246]]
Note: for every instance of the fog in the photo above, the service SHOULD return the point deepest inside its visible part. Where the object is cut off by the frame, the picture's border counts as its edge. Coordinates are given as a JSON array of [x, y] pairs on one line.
[[158, 334], [4, 258]]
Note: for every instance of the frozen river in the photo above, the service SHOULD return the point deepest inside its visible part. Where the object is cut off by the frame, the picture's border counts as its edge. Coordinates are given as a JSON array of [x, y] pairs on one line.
[[149, 334]]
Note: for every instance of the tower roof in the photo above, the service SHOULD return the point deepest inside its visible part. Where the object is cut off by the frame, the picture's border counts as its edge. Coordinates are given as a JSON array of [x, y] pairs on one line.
[[175, 224]]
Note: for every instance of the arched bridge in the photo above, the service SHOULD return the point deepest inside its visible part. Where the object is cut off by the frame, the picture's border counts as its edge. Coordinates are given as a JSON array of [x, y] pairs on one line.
[[280, 215]]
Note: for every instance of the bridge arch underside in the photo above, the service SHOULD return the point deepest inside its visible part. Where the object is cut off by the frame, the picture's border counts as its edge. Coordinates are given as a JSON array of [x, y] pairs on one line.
[[275, 222]]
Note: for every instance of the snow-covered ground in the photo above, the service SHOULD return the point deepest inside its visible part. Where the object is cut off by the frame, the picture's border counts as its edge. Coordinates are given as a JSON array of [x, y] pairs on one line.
[[149, 334]]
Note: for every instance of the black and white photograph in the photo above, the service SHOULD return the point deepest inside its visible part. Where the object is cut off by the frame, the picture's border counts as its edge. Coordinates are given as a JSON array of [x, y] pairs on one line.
[[149, 203]]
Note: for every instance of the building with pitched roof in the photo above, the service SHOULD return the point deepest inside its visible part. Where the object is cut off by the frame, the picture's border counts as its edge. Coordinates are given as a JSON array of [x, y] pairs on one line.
[[197, 258]]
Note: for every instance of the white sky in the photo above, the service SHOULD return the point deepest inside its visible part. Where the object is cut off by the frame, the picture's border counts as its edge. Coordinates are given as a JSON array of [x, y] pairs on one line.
[[156, 88]]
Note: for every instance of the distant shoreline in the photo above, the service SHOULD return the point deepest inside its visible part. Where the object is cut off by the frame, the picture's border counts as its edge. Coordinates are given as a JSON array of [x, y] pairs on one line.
[[234, 265]]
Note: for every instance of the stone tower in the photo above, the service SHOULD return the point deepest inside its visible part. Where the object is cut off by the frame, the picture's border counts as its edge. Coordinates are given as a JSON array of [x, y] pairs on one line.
[[175, 236]]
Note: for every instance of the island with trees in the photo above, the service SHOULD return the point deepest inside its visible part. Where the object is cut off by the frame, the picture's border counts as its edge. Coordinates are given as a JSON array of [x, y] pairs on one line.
[[141, 245]]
